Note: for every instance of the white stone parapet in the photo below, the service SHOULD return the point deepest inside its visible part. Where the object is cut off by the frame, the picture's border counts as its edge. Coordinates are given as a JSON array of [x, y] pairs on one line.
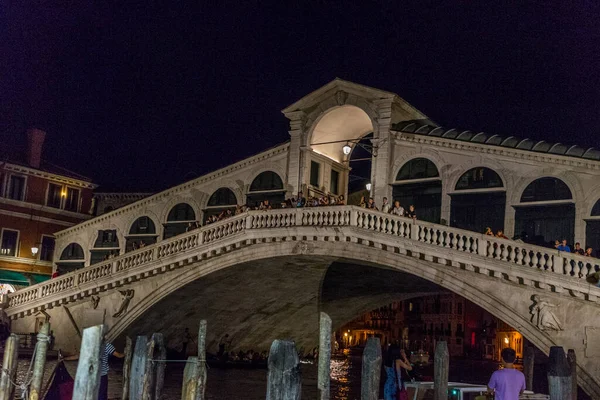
[[516, 262]]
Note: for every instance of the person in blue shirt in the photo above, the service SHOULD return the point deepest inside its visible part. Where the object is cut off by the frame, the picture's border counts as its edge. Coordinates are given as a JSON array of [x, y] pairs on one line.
[[563, 246]]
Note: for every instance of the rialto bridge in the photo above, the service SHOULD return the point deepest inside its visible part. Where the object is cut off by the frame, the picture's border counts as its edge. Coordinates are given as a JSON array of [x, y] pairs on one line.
[[262, 275]]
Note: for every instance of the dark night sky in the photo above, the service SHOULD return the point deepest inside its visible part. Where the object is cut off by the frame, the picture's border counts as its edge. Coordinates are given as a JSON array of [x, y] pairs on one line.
[[142, 97]]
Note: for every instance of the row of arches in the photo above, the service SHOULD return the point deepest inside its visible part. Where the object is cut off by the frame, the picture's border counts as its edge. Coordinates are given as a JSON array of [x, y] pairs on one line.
[[545, 212], [268, 185]]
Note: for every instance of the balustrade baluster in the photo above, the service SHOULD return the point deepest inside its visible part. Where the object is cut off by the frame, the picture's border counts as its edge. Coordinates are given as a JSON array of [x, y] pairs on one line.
[[428, 236], [461, 242], [504, 255], [454, 240], [401, 228], [534, 260]]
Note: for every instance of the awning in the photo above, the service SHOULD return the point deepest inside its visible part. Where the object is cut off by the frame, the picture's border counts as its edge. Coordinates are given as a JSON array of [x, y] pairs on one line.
[[19, 278]]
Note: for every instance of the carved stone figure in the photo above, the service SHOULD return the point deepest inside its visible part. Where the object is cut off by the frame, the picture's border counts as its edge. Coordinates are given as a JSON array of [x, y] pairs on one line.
[[303, 248], [95, 300], [127, 296], [544, 317]]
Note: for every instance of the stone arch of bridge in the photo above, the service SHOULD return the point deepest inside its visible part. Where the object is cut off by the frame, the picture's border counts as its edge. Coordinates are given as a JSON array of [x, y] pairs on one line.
[[444, 276]]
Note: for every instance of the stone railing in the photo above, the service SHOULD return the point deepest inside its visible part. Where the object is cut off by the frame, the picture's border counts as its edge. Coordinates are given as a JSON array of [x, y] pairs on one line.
[[505, 251]]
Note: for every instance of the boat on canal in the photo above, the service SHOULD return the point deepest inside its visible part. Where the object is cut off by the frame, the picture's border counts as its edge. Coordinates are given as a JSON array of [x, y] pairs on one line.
[[460, 391]]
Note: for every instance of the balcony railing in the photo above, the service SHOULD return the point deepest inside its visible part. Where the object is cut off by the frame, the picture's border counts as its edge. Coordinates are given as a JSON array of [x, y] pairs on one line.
[[507, 251]]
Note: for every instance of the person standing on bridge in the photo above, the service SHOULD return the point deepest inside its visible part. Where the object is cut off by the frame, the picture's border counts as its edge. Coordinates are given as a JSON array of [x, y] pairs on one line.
[[507, 383]]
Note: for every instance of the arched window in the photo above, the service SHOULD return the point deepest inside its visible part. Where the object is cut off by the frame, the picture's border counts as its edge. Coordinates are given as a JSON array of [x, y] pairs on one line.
[[546, 189], [142, 226], [72, 252], [222, 197], [180, 216], [266, 181], [71, 258], [105, 246], [418, 168], [425, 196], [181, 212], [267, 186], [479, 178], [596, 209], [542, 224], [141, 233]]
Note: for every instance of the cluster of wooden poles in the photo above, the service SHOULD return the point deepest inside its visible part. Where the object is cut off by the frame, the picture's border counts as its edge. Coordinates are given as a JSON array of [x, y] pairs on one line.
[[144, 368]]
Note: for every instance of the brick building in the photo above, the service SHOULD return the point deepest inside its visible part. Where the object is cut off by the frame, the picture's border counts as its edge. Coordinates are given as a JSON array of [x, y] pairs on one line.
[[37, 199]]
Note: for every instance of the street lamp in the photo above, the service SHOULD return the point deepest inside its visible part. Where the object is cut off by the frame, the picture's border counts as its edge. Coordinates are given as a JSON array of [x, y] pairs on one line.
[[34, 250], [347, 149], [368, 186]]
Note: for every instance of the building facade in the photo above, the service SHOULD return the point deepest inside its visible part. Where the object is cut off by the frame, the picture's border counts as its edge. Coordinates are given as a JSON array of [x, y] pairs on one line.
[[37, 199]]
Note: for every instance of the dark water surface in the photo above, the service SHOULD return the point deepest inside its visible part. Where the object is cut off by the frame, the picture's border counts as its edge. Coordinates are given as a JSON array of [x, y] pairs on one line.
[[250, 384]]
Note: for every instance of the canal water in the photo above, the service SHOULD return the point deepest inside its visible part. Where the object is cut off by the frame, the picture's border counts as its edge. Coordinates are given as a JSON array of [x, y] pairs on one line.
[[250, 384]]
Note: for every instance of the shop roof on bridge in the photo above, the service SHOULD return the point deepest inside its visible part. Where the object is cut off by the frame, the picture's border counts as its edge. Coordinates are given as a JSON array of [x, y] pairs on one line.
[[420, 128]]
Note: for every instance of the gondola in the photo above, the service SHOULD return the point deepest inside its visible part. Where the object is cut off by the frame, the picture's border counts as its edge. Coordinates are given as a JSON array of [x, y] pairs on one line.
[[60, 385]]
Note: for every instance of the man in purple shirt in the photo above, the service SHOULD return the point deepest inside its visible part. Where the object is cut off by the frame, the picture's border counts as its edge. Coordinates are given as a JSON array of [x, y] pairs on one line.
[[507, 383]]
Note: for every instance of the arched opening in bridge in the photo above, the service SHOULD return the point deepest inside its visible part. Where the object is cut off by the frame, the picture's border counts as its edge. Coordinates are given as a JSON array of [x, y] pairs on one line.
[[141, 233], [328, 165], [267, 186], [592, 230], [71, 258], [478, 201], [178, 219], [546, 213], [255, 302], [105, 246], [418, 183], [222, 200]]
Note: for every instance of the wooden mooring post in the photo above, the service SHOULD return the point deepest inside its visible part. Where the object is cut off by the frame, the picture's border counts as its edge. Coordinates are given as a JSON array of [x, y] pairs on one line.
[[87, 379], [9, 367], [371, 370], [572, 360], [528, 363], [559, 375], [194, 374], [324, 355], [138, 368], [154, 373], [35, 389], [440, 371], [283, 379], [127, 367]]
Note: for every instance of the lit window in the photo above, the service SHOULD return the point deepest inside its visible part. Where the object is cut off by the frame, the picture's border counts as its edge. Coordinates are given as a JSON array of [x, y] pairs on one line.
[[10, 241]]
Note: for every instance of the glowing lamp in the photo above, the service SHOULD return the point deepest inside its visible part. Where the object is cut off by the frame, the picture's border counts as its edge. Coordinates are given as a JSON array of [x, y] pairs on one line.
[[347, 149], [346, 334], [506, 340], [368, 186], [63, 193], [34, 250]]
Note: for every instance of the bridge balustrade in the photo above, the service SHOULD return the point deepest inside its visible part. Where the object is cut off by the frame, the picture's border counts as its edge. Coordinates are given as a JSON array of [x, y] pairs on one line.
[[512, 252]]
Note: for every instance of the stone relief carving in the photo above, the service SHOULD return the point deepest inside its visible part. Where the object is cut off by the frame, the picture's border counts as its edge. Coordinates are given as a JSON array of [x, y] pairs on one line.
[[95, 300], [127, 296], [543, 316], [303, 248]]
